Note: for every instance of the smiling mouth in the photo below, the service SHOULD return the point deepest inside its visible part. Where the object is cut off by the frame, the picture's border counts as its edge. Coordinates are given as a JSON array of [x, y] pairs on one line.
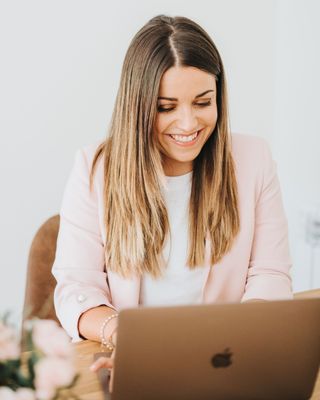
[[186, 138]]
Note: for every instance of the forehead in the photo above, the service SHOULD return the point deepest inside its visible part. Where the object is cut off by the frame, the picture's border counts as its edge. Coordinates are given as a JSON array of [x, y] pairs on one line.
[[182, 82]]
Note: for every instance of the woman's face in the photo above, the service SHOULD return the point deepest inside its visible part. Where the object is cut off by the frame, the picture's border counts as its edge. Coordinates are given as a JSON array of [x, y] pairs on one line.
[[187, 115]]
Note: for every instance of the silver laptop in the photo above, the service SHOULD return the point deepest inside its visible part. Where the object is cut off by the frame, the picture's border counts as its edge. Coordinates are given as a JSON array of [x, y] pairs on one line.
[[262, 350]]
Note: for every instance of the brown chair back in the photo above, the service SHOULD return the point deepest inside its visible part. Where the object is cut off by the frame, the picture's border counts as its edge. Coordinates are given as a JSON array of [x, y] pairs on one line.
[[40, 283]]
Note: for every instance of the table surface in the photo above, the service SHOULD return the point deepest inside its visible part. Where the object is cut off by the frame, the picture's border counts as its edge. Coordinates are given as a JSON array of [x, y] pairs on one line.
[[88, 386]]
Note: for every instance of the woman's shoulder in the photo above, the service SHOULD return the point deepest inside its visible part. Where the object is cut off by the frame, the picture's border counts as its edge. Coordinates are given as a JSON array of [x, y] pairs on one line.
[[83, 162], [252, 158], [244, 143], [89, 150], [248, 147], [86, 154]]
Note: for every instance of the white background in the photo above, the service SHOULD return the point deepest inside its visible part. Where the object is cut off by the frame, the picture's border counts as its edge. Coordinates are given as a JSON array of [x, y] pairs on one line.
[[60, 64]]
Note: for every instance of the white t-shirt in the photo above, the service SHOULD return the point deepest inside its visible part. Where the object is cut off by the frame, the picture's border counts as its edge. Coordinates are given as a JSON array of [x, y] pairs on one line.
[[179, 285]]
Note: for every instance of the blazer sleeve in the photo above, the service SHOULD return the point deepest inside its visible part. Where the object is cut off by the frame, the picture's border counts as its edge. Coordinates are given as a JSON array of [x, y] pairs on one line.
[[79, 266], [268, 275]]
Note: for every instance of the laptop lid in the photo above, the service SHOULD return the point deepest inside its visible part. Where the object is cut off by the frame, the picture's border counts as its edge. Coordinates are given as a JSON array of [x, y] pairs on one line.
[[260, 350]]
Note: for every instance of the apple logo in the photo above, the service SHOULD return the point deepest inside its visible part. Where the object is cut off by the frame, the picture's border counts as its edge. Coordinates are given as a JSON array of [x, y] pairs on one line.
[[222, 360]]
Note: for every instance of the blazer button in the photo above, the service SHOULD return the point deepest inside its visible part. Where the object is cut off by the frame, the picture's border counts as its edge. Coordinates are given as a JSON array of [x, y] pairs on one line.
[[81, 298]]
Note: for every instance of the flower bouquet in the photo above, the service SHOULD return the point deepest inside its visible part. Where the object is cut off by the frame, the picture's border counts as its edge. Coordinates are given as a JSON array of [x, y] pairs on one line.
[[45, 371]]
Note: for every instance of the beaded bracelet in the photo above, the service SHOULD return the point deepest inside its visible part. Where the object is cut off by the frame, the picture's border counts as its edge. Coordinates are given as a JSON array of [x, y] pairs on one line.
[[107, 343]]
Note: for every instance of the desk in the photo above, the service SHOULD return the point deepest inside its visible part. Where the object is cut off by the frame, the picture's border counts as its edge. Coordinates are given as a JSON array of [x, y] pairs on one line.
[[88, 387]]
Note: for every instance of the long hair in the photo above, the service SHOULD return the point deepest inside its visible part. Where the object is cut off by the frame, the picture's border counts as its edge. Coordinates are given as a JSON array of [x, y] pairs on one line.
[[136, 219]]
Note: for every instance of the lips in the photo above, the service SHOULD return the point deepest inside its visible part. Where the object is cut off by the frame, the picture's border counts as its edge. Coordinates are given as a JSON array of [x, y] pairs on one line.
[[186, 140]]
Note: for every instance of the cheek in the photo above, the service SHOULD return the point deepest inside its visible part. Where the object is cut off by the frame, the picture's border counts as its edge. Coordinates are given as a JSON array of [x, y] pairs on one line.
[[211, 118], [162, 121]]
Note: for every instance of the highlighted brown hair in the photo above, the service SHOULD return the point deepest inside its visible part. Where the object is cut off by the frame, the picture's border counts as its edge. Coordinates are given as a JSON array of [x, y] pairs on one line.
[[136, 219]]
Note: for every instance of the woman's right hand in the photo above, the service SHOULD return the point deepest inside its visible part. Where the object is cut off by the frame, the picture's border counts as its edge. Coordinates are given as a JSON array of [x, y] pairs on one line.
[[106, 362]]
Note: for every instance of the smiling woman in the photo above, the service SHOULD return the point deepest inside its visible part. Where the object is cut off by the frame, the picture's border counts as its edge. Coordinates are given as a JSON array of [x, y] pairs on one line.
[[171, 208], [185, 122]]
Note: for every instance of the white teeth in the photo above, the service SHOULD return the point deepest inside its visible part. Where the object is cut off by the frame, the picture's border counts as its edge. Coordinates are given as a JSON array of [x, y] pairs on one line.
[[183, 138]]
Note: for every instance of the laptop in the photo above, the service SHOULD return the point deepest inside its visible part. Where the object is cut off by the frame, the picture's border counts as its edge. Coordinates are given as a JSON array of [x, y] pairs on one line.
[[247, 351]]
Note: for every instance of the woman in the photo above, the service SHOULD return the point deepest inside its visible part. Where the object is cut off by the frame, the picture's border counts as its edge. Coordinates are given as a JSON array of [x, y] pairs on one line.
[[170, 208]]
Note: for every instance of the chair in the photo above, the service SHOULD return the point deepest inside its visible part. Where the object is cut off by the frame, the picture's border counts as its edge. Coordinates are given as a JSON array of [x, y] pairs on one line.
[[38, 301]]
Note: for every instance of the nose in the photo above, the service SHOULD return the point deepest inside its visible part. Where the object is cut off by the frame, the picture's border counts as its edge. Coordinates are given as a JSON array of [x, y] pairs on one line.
[[187, 120]]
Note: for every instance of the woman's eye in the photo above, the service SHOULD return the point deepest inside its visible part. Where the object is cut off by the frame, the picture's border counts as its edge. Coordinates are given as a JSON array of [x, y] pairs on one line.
[[204, 104], [165, 108], [170, 108]]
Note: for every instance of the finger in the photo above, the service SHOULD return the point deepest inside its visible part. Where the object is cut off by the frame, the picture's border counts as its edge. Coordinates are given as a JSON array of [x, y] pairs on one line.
[[102, 362], [111, 372], [111, 381]]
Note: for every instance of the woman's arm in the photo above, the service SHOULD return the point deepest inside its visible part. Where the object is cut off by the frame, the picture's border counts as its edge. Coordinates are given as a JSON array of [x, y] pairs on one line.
[[79, 266], [269, 268], [92, 320]]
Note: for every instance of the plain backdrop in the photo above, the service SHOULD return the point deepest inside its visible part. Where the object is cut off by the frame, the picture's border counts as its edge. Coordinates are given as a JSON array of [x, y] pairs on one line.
[[60, 63]]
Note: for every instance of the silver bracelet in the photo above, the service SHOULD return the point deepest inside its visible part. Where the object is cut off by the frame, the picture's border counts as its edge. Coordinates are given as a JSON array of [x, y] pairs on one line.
[[107, 342]]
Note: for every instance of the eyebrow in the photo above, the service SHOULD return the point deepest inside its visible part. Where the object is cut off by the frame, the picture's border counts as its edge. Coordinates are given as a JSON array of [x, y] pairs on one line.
[[175, 99]]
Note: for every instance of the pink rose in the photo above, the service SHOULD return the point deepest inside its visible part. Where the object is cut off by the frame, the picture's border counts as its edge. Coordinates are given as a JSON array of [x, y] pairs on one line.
[[25, 394], [51, 374], [7, 393], [51, 339], [9, 347], [21, 394]]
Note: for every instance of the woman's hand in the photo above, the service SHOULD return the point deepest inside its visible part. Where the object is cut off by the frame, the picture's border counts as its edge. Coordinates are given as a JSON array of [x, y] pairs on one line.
[[102, 362], [106, 362]]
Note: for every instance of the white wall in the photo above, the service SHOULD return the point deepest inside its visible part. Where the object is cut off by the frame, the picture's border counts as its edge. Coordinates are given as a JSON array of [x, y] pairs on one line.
[[59, 71], [296, 134]]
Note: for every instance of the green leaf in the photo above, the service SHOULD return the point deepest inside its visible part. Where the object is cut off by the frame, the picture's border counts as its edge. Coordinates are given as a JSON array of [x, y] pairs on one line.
[[23, 380], [32, 360]]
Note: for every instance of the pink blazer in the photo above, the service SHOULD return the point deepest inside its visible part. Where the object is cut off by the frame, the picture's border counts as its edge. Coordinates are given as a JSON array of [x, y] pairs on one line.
[[257, 266]]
